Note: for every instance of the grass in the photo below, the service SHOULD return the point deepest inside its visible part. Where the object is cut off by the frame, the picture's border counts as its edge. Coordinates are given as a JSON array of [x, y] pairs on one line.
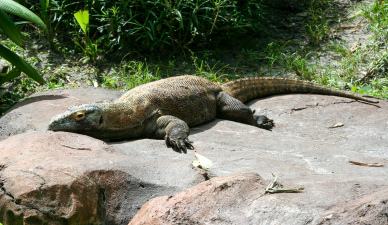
[[158, 26], [130, 74], [361, 68], [317, 28]]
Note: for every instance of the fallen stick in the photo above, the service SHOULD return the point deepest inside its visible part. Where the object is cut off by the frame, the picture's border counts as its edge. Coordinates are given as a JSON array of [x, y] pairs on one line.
[[366, 164]]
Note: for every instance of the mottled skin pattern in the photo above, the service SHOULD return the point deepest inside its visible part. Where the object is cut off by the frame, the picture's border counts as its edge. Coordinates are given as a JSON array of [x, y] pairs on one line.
[[167, 108]]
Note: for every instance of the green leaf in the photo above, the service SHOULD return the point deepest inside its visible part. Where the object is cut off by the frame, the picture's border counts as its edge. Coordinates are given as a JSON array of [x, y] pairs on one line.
[[44, 4], [10, 75], [16, 9], [9, 28], [82, 18], [20, 64]]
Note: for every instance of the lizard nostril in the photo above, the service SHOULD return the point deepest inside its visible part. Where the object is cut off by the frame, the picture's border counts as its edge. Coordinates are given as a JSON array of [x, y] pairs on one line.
[[101, 120]]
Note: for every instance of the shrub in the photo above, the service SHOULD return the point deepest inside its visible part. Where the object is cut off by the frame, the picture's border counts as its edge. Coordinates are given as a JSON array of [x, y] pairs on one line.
[[155, 25]]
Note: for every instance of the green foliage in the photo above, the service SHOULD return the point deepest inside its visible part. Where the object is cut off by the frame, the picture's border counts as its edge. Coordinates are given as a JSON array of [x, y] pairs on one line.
[[317, 27], [359, 67], [278, 53], [20, 65], [377, 87], [214, 72], [45, 15], [89, 48], [300, 65], [8, 27], [14, 8], [130, 74], [82, 18], [377, 14], [157, 25]]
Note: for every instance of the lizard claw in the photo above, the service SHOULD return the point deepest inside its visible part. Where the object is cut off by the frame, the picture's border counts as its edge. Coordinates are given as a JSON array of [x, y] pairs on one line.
[[179, 144]]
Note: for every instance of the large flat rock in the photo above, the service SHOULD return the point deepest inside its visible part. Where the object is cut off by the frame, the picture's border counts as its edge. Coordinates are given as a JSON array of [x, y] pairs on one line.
[[302, 150]]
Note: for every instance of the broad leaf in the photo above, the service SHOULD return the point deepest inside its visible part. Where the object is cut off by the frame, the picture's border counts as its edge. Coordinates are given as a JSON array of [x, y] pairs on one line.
[[82, 18], [9, 28], [20, 64], [16, 9]]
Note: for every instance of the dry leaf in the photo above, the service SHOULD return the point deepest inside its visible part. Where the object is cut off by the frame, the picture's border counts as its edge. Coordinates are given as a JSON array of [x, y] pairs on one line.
[[202, 162], [354, 47], [95, 83]]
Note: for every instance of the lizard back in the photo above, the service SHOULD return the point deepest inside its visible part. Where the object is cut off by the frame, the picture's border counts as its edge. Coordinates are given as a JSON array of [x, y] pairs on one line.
[[190, 98]]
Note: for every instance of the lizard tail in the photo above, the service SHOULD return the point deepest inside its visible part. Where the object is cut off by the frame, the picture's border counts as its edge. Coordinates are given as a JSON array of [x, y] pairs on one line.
[[246, 89]]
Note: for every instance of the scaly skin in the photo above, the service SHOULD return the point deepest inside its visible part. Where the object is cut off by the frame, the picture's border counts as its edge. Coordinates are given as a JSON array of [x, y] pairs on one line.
[[257, 87], [167, 108]]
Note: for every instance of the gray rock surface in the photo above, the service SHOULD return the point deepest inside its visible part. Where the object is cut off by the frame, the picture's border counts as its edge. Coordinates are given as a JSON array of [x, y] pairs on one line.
[[302, 150]]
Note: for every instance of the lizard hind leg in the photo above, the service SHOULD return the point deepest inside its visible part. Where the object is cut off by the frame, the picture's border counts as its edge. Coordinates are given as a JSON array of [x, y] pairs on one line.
[[230, 108]]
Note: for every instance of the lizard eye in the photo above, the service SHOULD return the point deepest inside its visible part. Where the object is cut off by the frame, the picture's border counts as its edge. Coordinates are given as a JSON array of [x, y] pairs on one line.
[[79, 115]]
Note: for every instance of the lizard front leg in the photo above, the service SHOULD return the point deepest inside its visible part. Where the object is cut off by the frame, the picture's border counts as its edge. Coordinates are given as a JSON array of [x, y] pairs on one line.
[[175, 132]]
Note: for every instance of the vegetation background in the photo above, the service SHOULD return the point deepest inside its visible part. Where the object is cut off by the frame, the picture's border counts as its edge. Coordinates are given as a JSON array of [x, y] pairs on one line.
[[121, 44]]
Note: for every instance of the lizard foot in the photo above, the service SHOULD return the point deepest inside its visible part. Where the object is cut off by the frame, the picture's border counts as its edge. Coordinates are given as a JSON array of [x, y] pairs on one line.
[[264, 122], [179, 144]]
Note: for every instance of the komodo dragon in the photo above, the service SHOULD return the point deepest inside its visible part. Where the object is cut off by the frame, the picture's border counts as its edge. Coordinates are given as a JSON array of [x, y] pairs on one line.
[[167, 108]]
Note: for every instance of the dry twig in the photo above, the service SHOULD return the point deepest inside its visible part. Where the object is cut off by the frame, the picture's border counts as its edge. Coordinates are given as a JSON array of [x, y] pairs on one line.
[[366, 164]]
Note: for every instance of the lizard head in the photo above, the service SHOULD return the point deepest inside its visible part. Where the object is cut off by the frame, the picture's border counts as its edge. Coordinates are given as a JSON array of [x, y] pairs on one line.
[[79, 119]]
